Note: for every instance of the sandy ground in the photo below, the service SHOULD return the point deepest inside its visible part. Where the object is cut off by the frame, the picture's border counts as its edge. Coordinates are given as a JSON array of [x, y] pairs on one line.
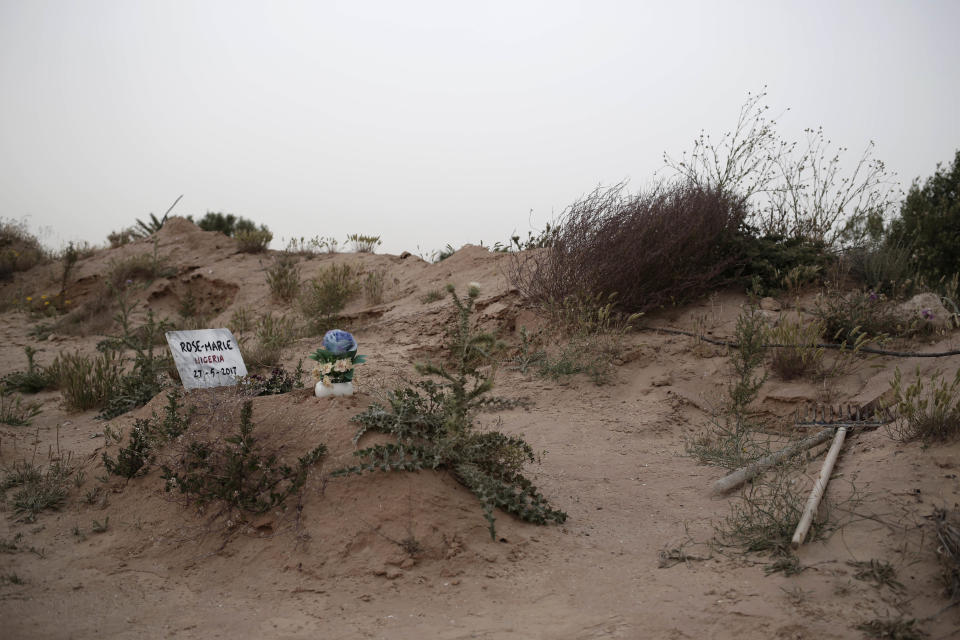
[[332, 565]]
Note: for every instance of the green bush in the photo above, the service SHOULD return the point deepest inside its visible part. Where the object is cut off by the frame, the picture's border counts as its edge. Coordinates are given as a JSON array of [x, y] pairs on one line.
[[433, 425], [885, 267], [19, 249], [87, 382], [146, 437], [149, 373], [732, 443], [35, 379], [851, 316], [143, 267], [929, 223], [774, 263], [254, 241], [373, 286], [272, 335], [237, 472], [323, 298], [926, 410], [122, 237], [590, 337], [800, 356], [225, 223], [283, 278]]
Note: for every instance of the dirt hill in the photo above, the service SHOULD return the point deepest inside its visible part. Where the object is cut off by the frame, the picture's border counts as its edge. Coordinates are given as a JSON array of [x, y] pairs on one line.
[[408, 555]]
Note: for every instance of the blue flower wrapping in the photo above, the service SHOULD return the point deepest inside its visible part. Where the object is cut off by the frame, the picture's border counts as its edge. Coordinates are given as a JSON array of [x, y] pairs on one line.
[[339, 342]]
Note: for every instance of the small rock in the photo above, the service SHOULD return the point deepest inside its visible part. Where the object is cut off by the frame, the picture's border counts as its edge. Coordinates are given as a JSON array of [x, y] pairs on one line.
[[662, 380], [393, 573], [405, 255], [925, 308], [408, 563], [769, 304]]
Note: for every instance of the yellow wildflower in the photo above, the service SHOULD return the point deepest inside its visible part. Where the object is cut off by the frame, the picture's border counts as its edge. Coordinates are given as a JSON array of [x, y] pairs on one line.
[[29, 299]]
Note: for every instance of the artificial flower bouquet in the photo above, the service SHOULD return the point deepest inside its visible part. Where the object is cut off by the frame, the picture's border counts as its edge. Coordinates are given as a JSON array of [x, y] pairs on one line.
[[336, 358]]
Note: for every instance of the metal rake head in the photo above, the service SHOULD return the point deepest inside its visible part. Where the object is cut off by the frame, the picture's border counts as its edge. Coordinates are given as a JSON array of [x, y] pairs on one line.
[[820, 415]]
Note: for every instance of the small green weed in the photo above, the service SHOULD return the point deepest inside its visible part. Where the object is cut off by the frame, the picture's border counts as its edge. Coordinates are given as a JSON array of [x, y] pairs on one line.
[[33, 380], [253, 240], [879, 572], [431, 296], [927, 411], [900, 629], [283, 278], [148, 376], [242, 321], [272, 335], [787, 564], [801, 356], [279, 381], [12, 578], [143, 267], [15, 412], [10, 546], [528, 354], [39, 491], [844, 316], [765, 516], [731, 443], [947, 527], [373, 286], [87, 382], [362, 243], [594, 334], [21, 473], [323, 298], [312, 246], [100, 527]]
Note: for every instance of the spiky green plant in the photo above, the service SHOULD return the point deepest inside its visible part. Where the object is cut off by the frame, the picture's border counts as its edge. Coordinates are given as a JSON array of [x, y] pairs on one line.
[[433, 425]]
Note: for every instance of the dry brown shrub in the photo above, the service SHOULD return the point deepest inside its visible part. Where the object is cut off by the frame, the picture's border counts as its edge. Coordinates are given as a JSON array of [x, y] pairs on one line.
[[651, 249]]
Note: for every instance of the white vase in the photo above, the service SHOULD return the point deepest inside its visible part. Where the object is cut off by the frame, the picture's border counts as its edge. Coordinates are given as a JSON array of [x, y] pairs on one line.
[[335, 389]]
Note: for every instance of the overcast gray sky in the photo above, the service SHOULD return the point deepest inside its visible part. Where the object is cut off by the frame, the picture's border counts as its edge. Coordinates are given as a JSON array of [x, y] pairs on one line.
[[433, 122]]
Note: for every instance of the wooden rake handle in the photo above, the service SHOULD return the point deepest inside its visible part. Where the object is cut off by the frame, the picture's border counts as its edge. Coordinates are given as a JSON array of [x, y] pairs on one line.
[[816, 495]]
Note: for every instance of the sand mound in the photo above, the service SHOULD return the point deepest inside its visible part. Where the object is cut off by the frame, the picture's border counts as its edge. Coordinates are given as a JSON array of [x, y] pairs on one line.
[[408, 555]]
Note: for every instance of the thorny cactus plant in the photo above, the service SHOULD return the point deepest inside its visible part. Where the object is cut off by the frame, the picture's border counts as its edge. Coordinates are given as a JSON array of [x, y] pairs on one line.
[[433, 425]]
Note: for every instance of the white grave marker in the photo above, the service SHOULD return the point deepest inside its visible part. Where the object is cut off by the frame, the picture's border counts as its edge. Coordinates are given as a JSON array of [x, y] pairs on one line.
[[206, 358]]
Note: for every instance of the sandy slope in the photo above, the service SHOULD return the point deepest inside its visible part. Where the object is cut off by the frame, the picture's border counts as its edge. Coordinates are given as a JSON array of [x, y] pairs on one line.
[[333, 566]]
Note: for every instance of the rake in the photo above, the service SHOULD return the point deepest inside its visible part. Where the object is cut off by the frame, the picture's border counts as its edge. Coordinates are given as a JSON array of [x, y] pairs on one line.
[[833, 418], [827, 418]]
